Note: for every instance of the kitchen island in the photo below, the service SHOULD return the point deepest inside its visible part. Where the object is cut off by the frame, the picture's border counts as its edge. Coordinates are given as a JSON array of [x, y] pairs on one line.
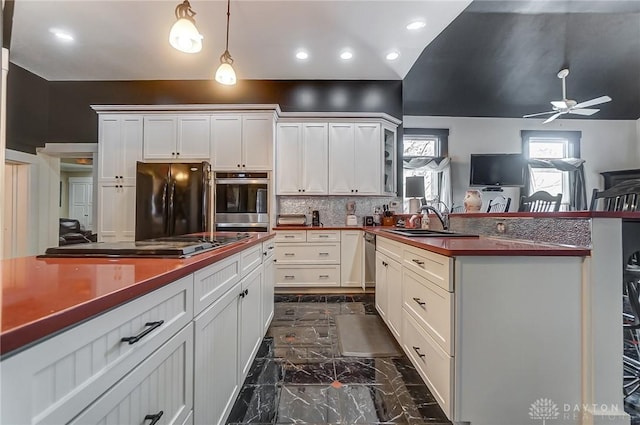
[[498, 327], [82, 339]]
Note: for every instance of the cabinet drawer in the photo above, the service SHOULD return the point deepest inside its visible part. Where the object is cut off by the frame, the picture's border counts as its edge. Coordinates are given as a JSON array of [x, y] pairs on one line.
[[323, 235], [291, 236], [432, 363], [316, 253], [55, 380], [391, 249], [250, 258], [268, 249], [214, 280], [307, 276], [162, 383], [434, 267], [431, 306]]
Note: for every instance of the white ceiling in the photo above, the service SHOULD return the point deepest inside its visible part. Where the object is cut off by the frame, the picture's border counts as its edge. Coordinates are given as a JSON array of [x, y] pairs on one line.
[[128, 40]]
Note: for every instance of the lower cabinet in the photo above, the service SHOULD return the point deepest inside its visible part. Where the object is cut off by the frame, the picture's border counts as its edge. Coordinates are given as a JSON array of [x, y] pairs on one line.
[[160, 387], [389, 292], [268, 282], [217, 342], [251, 330]]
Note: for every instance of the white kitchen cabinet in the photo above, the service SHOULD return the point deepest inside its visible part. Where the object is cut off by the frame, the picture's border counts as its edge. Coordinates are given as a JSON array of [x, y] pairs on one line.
[[117, 212], [268, 282], [242, 142], [162, 385], [381, 284], [176, 137], [354, 159], [217, 359], [119, 146], [54, 380], [251, 330], [352, 258], [226, 142], [302, 159]]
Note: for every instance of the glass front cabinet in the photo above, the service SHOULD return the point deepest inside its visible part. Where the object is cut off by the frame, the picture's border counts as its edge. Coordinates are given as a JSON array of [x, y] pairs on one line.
[[390, 170]]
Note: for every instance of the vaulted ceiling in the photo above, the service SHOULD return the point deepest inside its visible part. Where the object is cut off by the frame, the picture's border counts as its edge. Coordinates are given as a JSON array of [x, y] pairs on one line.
[[501, 59], [495, 59]]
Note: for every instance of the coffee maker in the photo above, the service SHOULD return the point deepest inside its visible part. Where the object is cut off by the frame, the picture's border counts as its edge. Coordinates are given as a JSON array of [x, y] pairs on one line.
[[315, 218]]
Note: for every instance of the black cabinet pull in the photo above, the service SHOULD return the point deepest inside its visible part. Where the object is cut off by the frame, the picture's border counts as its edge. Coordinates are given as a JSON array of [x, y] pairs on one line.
[[154, 418], [244, 293], [417, 350], [264, 253], [134, 339], [238, 165], [356, 190], [420, 303], [418, 262]]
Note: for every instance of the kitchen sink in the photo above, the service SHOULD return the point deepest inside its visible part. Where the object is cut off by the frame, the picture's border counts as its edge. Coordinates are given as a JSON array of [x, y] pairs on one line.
[[424, 233]]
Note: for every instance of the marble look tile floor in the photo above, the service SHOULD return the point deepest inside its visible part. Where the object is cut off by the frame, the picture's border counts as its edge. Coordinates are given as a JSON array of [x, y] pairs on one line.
[[299, 376]]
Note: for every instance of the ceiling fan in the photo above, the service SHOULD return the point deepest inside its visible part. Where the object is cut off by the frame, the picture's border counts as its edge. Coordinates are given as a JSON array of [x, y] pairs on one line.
[[568, 106]]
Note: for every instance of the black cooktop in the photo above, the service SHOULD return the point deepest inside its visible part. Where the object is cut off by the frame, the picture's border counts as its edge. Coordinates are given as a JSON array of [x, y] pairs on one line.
[[167, 247]]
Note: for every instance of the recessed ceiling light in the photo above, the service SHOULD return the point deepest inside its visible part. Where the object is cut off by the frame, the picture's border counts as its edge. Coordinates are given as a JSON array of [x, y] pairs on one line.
[[302, 55], [62, 35], [346, 55], [416, 25], [391, 56]]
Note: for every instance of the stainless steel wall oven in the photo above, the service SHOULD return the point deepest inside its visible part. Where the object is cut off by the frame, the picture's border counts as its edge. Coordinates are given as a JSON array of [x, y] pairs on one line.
[[241, 201]]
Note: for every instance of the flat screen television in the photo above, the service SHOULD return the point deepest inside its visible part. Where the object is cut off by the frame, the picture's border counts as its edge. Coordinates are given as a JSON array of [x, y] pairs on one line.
[[496, 170]]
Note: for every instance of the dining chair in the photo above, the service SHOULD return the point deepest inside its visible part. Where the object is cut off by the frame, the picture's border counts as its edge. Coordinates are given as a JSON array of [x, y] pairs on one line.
[[540, 201], [499, 204], [624, 196], [457, 209]]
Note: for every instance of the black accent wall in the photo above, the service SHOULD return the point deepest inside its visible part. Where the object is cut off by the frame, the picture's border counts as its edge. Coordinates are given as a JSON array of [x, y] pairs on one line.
[[71, 118], [27, 110]]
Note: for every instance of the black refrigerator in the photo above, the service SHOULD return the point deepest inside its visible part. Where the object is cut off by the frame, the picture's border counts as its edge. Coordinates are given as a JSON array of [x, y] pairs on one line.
[[172, 199]]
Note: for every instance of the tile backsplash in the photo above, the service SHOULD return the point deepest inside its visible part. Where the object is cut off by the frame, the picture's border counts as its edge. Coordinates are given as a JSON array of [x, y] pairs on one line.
[[333, 209]]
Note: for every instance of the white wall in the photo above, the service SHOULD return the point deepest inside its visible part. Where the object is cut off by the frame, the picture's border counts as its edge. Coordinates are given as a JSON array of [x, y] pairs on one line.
[[605, 145]]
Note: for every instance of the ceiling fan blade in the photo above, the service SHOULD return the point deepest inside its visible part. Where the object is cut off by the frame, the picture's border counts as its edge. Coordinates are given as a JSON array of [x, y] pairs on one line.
[[596, 101], [583, 111], [560, 104], [539, 113], [552, 117]]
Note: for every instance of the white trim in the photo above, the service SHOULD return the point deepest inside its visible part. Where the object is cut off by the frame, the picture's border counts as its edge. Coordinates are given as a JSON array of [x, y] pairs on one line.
[[203, 108], [199, 108], [69, 150]]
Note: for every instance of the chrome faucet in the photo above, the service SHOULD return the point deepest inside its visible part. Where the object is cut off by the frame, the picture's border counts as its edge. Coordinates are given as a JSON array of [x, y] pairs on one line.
[[442, 216]]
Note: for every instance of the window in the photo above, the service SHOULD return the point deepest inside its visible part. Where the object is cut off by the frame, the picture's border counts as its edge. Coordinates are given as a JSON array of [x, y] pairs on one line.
[[550, 145], [419, 147]]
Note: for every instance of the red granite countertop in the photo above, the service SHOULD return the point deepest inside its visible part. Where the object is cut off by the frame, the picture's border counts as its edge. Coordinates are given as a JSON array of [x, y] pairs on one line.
[[359, 227], [483, 246], [41, 296]]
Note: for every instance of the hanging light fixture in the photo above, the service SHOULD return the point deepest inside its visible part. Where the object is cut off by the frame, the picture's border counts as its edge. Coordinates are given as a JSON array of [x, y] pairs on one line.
[[225, 73], [184, 35]]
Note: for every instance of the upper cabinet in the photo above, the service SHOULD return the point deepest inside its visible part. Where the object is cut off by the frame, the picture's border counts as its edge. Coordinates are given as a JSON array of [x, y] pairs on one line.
[[302, 159], [242, 142], [360, 158], [120, 146], [177, 137], [354, 159]]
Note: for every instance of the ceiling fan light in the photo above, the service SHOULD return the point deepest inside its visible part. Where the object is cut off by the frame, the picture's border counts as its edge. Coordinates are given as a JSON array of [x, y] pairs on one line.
[[225, 74]]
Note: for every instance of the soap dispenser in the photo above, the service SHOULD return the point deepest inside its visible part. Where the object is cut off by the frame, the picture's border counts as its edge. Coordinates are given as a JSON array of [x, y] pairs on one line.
[[425, 220]]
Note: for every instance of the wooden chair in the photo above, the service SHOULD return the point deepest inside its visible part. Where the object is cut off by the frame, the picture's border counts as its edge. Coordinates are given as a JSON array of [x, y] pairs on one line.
[[499, 204], [540, 201], [624, 196]]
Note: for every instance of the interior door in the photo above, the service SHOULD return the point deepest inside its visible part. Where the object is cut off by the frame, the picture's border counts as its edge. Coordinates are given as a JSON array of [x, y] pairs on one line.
[[80, 201]]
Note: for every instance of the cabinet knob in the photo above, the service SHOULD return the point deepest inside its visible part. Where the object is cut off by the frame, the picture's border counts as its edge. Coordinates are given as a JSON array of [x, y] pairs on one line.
[[173, 153], [303, 190], [121, 177], [243, 165], [351, 190], [238, 165], [178, 153], [356, 190]]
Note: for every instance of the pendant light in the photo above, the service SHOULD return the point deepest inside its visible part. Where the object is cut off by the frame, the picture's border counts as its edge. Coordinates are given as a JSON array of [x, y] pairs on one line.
[[225, 73], [184, 35]]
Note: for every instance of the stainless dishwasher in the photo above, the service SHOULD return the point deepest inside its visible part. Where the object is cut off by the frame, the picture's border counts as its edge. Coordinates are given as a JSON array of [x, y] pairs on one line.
[[369, 259]]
